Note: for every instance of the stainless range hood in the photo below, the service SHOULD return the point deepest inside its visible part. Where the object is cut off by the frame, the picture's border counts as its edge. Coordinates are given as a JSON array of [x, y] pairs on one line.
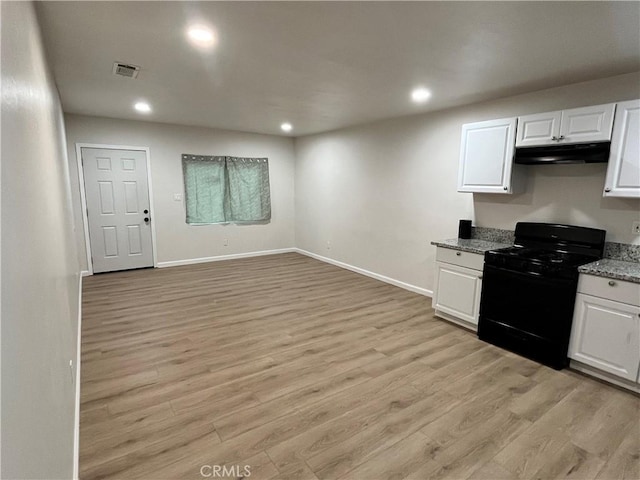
[[564, 154]]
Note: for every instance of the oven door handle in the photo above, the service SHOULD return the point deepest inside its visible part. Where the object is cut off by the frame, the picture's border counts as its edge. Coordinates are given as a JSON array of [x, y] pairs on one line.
[[492, 269]]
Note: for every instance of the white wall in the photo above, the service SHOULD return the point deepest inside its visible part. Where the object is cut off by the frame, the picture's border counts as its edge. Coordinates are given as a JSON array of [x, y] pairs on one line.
[[175, 239], [381, 192], [40, 274]]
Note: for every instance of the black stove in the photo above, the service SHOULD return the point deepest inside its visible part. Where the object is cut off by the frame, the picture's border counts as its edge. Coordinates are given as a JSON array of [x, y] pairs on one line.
[[529, 290], [538, 261]]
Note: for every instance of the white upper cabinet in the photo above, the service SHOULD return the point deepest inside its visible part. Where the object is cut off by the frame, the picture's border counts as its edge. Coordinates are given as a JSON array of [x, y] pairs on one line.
[[623, 172], [578, 125], [486, 156], [538, 129], [587, 124]]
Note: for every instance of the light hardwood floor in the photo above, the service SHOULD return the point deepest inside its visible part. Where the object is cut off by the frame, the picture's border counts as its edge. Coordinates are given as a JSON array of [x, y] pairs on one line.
[[302, 370]]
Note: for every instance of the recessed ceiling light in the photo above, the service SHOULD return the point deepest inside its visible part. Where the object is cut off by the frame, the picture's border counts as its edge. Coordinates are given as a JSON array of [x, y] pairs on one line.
[[286, 127], [142, 107], [420, 95], [201, 36]]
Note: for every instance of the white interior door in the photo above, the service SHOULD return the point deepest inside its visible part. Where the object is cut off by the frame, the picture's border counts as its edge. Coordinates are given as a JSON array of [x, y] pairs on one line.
[[118, 211]]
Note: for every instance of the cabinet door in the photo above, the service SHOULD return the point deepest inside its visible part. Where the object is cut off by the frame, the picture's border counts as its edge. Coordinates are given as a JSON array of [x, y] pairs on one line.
[[587, 124], [623, 172], [538, 129], [458, 291], [606, 336], [486, 156]]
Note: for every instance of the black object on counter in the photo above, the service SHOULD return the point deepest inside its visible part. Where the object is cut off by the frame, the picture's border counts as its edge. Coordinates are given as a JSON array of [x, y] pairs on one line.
[[464, 229]]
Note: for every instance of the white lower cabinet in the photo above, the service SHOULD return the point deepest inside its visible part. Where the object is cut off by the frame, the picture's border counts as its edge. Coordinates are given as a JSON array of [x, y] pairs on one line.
[[456, 296], [606, 331]]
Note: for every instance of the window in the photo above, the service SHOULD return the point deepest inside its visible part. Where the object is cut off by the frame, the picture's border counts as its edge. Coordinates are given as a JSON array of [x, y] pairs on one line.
[[226, 189]]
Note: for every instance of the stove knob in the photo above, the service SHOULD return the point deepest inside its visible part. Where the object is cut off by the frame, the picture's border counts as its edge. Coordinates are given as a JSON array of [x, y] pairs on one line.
[[612, 283], [458, 253]]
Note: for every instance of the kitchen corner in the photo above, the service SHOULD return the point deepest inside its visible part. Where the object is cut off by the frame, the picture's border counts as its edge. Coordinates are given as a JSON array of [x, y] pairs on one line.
[[605, 331]]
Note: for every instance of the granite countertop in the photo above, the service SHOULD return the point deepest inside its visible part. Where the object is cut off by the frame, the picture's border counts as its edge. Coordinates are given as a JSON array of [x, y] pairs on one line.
[[618, 269], [472, 245]]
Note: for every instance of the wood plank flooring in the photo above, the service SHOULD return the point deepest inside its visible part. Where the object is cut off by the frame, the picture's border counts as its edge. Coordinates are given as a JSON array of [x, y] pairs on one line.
[[301, 370]]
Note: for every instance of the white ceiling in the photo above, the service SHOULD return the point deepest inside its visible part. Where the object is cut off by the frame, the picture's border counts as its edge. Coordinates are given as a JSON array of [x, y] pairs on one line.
[[326, 65]]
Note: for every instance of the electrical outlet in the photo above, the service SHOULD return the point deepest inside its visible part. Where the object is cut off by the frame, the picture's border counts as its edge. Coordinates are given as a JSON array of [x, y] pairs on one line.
[[328, 245], [635, 228], [225, 242]]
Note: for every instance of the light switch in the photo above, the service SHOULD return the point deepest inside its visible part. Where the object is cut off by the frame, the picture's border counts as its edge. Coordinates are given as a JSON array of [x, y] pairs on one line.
[[177, 197]]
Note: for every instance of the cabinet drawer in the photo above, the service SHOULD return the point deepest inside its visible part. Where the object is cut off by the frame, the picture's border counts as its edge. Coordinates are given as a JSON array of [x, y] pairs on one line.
[[463, 259], [610, 288]]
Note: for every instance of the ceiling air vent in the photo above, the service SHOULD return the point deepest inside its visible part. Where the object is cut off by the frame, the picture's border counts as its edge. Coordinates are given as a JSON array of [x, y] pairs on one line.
[[124, 70]]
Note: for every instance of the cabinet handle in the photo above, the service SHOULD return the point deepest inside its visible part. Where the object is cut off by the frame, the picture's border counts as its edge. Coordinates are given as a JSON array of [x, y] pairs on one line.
[[458, 253], [607, 189], [561, 137], [554, 138], [480, 278], [505, 188], [612, 283]]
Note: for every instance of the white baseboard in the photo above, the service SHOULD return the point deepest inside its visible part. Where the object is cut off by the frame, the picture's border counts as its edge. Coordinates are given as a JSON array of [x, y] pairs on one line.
[[84, 273], [76, 426], [362, 271], [450, 318], [604, 376], [192, 261]]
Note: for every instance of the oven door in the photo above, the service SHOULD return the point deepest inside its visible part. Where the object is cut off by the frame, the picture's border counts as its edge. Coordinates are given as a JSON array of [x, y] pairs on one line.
[[528, 313]]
